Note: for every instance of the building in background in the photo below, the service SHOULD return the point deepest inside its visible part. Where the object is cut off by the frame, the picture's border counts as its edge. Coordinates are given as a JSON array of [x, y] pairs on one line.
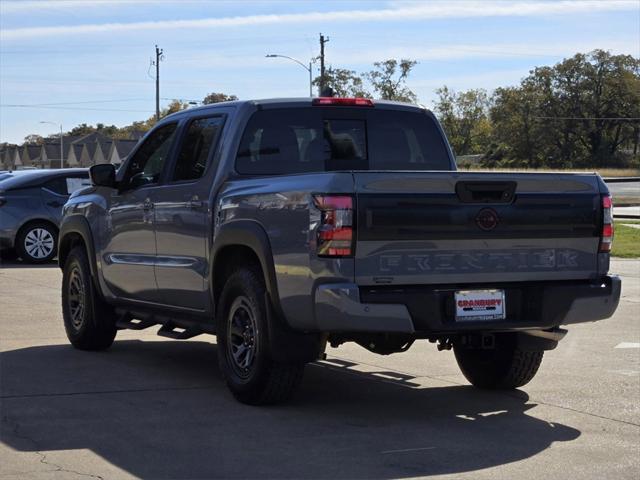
[[78, 151]]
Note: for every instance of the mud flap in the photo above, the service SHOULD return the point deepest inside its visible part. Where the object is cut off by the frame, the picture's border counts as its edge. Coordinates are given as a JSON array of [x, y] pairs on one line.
[[287, 345]]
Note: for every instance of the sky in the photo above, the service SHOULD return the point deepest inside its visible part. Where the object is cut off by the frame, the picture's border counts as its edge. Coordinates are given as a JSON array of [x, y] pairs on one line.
[[88, 61]]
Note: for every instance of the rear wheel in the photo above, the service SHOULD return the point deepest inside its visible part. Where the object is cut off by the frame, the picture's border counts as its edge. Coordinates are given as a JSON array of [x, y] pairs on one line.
[[503, 367], [36, 242], [243, 345], [88, 320]]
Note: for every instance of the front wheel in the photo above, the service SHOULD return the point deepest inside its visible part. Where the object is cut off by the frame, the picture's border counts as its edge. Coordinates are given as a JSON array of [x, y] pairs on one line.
[[504, 367], [243, 345], [88, 320]]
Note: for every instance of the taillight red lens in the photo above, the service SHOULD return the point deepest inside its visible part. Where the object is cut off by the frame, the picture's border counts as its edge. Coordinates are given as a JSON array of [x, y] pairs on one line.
[[348, 102], [335, 231], [606, 237]]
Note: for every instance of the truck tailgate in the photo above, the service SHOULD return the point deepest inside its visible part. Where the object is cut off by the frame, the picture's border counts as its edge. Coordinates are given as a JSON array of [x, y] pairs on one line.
[[460, 228]]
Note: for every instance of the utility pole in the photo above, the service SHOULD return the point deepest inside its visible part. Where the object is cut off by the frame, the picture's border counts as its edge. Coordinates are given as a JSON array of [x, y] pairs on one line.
[[159, 57], [323, 40]]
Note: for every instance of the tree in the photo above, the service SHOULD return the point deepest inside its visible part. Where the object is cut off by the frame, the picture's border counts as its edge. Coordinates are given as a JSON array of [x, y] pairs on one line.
[[84, 129], [389, 78], [386, 81], [577, 113], [218, 97], [34, 139], [464, 117], [344, 82], [516, 130]]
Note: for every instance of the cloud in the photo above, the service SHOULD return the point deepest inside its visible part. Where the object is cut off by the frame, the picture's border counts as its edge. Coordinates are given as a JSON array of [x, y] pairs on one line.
[[403, 12], [20, 6]]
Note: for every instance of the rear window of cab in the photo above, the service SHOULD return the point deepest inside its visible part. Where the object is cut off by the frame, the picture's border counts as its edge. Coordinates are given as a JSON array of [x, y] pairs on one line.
[[318, 139]]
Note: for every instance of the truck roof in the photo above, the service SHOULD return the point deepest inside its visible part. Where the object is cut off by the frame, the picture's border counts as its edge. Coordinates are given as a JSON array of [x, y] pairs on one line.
[[287, 102]]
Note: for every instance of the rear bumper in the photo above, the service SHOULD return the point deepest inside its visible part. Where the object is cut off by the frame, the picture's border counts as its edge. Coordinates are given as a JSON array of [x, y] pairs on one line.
[[421, 310]]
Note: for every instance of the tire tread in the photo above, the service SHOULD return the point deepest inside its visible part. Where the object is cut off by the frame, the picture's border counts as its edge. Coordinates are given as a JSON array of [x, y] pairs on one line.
[[100, 331], [280, 380]]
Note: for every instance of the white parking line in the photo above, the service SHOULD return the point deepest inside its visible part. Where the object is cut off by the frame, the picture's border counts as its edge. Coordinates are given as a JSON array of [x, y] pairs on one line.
[[628, 345]]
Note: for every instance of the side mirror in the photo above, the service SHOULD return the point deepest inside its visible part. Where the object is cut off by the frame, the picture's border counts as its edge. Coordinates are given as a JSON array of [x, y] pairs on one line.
[[103, 175]]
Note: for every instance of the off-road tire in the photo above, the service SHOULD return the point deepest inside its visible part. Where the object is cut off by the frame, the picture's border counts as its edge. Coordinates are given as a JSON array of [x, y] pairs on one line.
[[30, 233], [504, 367], [264, 381], [88, 320]]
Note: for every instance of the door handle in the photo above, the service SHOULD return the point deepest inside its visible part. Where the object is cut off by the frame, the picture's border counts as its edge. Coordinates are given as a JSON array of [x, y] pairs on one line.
[[195, 203], [147, 205]]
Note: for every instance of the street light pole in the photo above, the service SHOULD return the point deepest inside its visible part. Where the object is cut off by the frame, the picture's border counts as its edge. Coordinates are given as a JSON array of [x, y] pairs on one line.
[[61, 144], [309, 68]]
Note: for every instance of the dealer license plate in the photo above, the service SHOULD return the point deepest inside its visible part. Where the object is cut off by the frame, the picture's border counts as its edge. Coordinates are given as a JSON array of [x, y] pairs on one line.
[[473, 305]]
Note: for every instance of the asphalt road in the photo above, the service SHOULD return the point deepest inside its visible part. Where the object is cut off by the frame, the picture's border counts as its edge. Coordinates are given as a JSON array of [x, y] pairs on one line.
[[624, 189], [154, 408]]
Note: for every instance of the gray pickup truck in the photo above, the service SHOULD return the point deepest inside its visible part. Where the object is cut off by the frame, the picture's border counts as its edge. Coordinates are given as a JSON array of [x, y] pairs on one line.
[[285, 225]]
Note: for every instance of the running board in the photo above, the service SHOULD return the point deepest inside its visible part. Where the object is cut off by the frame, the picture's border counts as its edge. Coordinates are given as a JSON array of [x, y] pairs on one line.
[[178, 333], [134, 324]]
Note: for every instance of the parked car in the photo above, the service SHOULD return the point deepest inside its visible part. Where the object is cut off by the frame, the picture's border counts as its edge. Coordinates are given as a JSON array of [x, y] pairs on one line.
[[282, 226], [31, 207]]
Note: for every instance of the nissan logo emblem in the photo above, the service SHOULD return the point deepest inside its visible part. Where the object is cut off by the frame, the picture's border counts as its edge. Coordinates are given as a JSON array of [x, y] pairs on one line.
[[487, 219]]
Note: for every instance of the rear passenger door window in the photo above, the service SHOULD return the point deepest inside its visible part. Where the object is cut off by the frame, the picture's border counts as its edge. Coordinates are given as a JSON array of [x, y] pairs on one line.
[[57, 186], [197, 148]]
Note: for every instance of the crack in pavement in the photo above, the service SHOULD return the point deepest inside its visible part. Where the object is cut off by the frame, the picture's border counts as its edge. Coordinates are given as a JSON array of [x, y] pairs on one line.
[[43, 456], [102, 392]]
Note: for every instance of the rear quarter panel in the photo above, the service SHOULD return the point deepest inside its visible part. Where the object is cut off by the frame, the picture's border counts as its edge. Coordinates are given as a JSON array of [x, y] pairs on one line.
[[283, 206]]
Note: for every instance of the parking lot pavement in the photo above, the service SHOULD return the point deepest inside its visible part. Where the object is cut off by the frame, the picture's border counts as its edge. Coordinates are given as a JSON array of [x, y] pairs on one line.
[[158, 409]]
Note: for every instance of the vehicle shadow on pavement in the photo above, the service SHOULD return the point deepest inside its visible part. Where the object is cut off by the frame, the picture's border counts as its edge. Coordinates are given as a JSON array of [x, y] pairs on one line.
[[158, 409], [16, 263]]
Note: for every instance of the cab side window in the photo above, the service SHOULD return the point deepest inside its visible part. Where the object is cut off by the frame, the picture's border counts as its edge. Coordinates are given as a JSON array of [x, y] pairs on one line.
[[147, 163], [196, 150]]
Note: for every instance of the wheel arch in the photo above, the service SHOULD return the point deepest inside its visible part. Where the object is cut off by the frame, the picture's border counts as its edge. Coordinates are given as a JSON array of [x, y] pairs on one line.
[[248, 238], [75, 231], [244, 239]]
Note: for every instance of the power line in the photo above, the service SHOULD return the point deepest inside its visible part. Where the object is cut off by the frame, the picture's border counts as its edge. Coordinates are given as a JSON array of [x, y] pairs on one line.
[[7, 105], [591, 118], [180, 99], [83, 102]]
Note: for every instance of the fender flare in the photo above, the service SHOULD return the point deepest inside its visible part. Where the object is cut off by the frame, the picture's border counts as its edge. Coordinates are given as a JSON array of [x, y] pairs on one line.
[[247, 233], [286, 344], [79, 225]]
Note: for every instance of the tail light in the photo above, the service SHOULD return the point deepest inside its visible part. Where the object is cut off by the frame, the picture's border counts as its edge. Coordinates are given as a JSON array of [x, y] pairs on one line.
[[335, 232], [606, 236], [345, 102]]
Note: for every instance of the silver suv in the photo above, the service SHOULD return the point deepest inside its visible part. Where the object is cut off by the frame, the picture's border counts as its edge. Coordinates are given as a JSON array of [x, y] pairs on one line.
[[31, 208]]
